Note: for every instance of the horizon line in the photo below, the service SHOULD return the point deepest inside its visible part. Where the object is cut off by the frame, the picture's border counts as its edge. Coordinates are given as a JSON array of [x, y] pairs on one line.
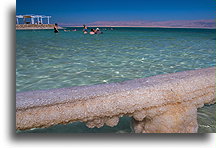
[[146, 23], [147, 27]]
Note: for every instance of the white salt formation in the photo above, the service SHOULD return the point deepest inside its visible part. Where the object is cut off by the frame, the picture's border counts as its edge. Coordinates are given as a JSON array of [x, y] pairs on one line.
[[159, 104]]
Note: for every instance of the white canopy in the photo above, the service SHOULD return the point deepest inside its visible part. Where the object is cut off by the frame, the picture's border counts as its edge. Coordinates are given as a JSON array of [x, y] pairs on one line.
[[32, 17]]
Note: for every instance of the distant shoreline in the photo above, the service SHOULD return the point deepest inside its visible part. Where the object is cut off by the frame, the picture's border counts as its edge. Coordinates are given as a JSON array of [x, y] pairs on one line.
[[149, 27]]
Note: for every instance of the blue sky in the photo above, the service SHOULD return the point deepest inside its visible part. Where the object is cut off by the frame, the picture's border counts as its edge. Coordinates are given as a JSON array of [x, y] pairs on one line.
[[86, 11]]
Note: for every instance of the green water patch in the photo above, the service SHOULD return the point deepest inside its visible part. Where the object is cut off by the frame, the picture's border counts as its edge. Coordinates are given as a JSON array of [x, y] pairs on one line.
[[207, 119], [124, 126]]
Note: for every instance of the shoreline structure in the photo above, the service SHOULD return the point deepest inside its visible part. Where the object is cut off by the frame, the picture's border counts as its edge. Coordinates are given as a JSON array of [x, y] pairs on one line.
[[34, 26], [159, 104]]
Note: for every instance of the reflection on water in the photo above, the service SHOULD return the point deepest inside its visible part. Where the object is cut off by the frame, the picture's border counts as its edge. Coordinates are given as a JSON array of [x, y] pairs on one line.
[[46, 60], [124, 126], [207, 119]]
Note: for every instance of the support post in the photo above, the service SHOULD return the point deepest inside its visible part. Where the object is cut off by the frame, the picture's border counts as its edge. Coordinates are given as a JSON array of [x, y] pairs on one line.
[[41, 21], [17, 20], [176, 119], [32, 20], [48, 20]]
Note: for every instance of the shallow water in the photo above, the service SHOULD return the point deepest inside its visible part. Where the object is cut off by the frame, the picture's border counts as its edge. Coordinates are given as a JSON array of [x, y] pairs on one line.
[[46, 60], [207, 119]]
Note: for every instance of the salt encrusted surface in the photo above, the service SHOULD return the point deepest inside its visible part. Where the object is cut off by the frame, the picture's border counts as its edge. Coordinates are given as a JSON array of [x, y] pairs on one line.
[[63, 95], [143, 99]]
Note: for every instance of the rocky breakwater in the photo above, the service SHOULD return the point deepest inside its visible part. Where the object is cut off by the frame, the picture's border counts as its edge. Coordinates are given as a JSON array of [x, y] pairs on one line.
[[34, 26], [159, 104]]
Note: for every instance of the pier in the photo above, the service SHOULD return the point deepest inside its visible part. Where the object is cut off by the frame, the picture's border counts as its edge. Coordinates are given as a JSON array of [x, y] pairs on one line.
[[32, 19], [28, 22], [159, 104]]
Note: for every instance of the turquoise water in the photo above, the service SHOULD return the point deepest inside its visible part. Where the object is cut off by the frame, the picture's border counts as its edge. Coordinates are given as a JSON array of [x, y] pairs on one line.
[[47, 60]]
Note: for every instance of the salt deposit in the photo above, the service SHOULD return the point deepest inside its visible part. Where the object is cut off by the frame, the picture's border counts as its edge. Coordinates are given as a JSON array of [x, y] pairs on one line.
[[159, 104]]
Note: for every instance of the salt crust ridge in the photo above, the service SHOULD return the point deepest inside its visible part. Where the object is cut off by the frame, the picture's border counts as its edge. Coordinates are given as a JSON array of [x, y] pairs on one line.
[[160, 104]]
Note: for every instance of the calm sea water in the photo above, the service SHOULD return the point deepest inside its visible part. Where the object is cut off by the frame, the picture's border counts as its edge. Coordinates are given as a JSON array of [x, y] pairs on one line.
[[47, 60]]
